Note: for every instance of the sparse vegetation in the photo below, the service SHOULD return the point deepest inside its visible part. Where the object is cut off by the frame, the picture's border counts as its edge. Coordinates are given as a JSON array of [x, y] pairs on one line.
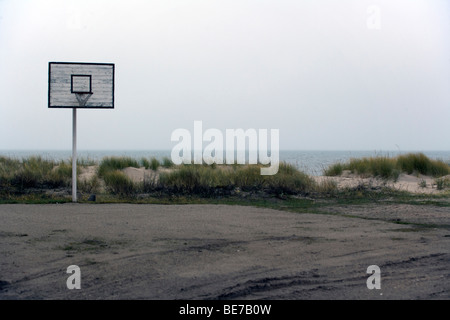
[[167, 162], [36, 177], [418, 163], [118, 183], [334, 170], [92, 185], [442, 183], [145, 163], [390, 168], [422, 183], [222, 179], [116, 163], [327, 186], [34, 172], [154, 163]]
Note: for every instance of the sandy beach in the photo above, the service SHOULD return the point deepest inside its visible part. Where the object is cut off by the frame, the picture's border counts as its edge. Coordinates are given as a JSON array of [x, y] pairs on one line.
[[131, 251], [416, 184]]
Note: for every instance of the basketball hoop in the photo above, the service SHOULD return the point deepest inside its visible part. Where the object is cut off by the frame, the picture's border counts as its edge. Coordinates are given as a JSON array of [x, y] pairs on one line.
[[66, 79], [82, 98]]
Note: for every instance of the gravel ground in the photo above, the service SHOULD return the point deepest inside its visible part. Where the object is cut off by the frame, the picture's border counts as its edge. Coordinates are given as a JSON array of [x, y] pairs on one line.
[[131, 251]]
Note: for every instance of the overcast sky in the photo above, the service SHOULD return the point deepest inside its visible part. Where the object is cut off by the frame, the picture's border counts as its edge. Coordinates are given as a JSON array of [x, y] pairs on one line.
[[330, 75]]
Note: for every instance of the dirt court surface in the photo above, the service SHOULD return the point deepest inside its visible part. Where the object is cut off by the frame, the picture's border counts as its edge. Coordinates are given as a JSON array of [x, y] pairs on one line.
[[132, 251]]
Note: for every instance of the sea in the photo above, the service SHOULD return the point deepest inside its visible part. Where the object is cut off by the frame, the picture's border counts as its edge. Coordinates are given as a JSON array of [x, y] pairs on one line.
[[312, 162]]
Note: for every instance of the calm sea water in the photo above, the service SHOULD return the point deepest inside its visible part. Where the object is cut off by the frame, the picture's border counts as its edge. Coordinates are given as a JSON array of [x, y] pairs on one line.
[[311, 162]]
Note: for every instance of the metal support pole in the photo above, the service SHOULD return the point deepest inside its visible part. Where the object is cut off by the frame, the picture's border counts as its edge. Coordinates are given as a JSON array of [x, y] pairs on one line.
[[74, 155]]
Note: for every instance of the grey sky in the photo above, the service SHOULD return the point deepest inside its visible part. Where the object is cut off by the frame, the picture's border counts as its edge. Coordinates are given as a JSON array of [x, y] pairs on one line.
[[319, 71]]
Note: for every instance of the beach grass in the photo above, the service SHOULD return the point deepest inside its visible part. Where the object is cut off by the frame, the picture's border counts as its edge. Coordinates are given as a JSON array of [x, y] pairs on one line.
[[33, 172], [391, 168], [202, 179], [145, 163], [207, 180], [167, 162], [151, 163], [117, 183], [36, 177], [116, 163], [90, 186], [335, 169], [442, 183], [154, 163], [419, 163]]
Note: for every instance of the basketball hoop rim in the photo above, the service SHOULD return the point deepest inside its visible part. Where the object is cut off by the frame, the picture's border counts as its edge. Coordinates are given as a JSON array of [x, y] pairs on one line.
[[82, 92]]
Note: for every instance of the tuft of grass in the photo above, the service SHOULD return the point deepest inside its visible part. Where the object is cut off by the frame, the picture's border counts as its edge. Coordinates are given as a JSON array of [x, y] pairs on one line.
[[212, 179], [289, 180], [118, 183], [442, 183], [90, 186], [390, 168], [247, 178], [149, 184], [422, 183], [154, 163], [419, 163], [8, 165], [191, 179], [109, 164], [334, 170], [61, 175], [34, 172], [326, 186], [167, 162], [382, 167], [145, 163]]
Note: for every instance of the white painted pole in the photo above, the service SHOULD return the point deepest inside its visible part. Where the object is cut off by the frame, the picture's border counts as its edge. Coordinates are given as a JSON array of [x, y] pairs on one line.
[[74, 155]]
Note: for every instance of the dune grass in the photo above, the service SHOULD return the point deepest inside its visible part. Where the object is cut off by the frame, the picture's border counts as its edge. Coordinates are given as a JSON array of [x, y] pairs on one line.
[[151, 163], [167, 162], [33, 172], [26, 176], [334, 170], [118, 183], [90, 186], [145, 163], [390, 168], [203, 179], [419, 163], [154, 163], [442, 183], [116, 163]]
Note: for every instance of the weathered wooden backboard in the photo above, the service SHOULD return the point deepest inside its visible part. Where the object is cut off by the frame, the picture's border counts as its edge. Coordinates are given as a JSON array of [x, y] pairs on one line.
[[72, 82]]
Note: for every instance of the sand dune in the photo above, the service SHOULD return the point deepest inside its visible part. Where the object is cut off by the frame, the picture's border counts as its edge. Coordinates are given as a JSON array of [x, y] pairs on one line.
[[419, 184]]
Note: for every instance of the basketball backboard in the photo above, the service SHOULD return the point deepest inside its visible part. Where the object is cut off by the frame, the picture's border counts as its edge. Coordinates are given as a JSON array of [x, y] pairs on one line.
[[80, 85]]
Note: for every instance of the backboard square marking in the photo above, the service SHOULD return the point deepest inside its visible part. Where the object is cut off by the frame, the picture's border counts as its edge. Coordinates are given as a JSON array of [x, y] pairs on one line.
[[81, 83]]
